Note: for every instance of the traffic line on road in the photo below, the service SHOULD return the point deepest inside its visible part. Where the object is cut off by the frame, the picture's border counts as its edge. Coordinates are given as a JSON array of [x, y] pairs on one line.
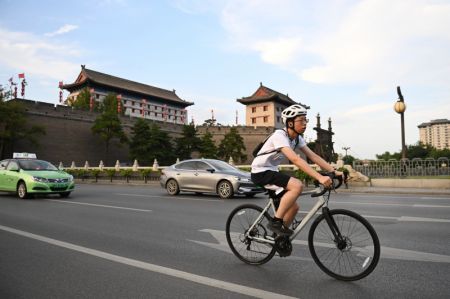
[[386, 252], [429, 206], [400, 218], [211, 282], [391, 204], [167, 197], [98, 205]]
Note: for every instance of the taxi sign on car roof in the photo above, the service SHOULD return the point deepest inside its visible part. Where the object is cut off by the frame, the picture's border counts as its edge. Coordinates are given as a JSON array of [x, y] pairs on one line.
[[24, 156]]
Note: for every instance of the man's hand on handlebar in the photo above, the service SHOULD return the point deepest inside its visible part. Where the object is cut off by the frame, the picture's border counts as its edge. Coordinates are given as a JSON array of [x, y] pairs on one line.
[[325, 181], [338, 173]]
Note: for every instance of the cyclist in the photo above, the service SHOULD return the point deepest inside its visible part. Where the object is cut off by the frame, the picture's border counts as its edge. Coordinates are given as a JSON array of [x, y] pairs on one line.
[[280, 145]]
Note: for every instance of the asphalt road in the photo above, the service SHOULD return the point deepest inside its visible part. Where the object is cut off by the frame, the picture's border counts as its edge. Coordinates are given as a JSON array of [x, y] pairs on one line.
[[137, 242]]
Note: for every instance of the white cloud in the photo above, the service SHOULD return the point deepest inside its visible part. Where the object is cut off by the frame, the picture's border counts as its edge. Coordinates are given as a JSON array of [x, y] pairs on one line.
[[375, 42], [33, 55], [64, 29], [364, 111]]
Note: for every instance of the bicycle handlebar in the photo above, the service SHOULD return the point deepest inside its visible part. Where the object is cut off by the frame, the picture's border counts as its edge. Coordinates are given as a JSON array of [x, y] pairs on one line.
[[333, 178]]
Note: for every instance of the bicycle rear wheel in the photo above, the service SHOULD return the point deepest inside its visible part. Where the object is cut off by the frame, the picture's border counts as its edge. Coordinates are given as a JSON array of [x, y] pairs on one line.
[[248, 250], [356, 257]]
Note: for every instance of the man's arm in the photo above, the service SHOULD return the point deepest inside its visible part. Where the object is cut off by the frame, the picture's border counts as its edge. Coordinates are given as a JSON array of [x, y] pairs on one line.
[[317, 159], [304, 166]]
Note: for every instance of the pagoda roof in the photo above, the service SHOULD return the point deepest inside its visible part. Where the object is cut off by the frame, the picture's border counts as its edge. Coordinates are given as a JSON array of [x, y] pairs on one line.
[[266, 94], [91, 77]]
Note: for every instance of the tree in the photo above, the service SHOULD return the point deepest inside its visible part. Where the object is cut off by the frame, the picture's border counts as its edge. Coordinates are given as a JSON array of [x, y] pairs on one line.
[[232, 145], [160, 146], [13, 126], [418, 150], [109, 104], [348, 160], [388, 156], [208, 148], [188, 143], [144, 149], [107, 125], [82, 101]]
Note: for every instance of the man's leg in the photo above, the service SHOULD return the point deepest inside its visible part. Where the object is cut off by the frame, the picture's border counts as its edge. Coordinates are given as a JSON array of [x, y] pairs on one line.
[[293, 190], [290, 215]]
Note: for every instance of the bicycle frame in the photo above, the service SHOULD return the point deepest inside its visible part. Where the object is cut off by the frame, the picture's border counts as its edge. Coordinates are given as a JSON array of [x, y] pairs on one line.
[[322, 201]]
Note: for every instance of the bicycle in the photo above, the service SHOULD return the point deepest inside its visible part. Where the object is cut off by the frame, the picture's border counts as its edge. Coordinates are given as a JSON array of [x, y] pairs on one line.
[[342, 243]]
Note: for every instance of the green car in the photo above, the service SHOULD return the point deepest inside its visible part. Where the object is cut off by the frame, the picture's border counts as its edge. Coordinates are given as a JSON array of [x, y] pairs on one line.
[[27, 176]]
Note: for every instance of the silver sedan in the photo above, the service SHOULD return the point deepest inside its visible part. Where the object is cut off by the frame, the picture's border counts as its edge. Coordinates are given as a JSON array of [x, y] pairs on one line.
[[208, 176]]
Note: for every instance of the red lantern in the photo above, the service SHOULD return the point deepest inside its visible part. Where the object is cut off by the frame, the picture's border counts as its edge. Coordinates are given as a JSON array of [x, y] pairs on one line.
[[144, 103], [119, 104]]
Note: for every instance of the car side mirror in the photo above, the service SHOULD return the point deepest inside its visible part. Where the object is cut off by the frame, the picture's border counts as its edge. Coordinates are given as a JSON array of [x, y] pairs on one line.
[[211, 170]]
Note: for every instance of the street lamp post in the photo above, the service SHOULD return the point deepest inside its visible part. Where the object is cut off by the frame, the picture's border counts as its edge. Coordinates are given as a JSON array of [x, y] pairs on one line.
[[400, 108], [346, 148]]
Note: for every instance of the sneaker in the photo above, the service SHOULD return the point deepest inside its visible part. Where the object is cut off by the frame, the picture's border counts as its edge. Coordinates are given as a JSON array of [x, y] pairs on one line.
[[279, 228]]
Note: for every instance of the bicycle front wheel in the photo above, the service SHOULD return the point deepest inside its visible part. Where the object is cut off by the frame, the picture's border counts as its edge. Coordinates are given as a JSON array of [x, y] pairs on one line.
[[249, 246], [355, 257]]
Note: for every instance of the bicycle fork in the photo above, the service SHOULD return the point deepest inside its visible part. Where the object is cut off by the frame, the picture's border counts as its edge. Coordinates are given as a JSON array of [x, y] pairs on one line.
[[338, 239]]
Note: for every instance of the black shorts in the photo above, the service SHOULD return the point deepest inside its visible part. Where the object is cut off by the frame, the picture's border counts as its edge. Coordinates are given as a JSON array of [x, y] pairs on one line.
[[270, 177]]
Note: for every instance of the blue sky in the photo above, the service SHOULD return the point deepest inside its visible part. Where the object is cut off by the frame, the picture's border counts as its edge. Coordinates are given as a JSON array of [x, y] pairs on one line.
[[343, 58]]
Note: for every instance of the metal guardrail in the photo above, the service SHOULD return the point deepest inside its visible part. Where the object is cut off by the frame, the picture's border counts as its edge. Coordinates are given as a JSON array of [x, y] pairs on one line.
[[403, 167]]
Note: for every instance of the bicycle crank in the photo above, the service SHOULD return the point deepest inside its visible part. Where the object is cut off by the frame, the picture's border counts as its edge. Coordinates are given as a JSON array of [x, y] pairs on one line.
[[283, 246]]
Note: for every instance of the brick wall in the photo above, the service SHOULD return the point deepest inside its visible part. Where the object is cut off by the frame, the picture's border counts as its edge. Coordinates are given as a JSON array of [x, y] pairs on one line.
[[69, 138]]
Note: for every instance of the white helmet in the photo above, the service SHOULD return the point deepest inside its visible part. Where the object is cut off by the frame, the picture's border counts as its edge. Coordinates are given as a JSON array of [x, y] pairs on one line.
[[292, 111]]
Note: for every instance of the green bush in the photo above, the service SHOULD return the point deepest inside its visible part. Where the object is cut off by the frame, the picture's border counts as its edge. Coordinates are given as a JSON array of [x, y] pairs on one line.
[[146, 173], [126, 173], [302, 176], [110, 173], [96, 173]]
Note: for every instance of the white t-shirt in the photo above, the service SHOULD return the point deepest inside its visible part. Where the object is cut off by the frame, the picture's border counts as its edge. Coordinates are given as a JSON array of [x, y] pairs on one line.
[[278, 140]]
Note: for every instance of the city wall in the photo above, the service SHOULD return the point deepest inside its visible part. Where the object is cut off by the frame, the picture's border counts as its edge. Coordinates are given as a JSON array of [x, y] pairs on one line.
[[69, 137]]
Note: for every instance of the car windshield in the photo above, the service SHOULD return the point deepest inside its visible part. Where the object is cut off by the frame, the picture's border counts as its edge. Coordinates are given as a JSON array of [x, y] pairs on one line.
[[222, 166], [36, 165]]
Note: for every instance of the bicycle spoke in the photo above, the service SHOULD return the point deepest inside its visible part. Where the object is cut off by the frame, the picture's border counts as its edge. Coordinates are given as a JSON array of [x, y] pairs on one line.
[[241, 238], [351, 258]]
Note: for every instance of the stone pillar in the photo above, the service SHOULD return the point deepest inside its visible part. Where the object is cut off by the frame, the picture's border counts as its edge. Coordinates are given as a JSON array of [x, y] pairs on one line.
[[135, 165], [155, 165], [117, 165]]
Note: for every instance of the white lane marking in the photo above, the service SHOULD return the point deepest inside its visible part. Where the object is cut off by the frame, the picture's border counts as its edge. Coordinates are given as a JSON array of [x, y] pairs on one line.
[[422, 219], [448, 198], [430, 206], [386, 252], [391, 204], [97, 205], [228, 286], [371, 203], [376, 195], [168, 197], [401, 218]]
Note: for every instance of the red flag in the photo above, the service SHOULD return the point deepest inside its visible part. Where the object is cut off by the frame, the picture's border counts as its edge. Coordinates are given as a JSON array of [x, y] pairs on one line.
[[22, 76]]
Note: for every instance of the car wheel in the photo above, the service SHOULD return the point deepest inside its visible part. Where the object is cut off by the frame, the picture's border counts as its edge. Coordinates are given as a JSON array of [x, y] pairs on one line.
[[225, 189], [22, 190], [64, 194], [172, 187]]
